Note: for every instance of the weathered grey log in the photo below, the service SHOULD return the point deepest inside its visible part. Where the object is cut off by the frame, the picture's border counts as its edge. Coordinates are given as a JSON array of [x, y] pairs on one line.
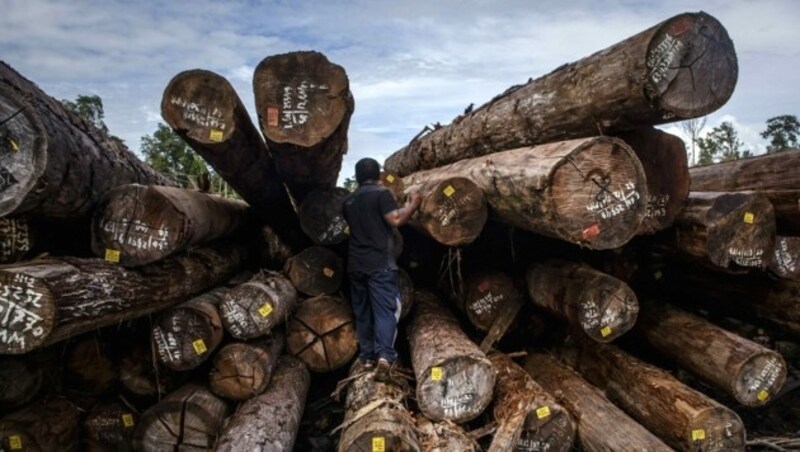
[[244, 369], [269, 422], [315, 271], [591, 191], [55, 163], [444, 436], [47, 425], [785, 262], [321, 216], [255, 307], [109, 427], [322, 334], [455, 380], [684, 67]]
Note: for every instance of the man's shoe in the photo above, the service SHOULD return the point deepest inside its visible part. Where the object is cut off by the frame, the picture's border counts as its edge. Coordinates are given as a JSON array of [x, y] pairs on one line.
[[366, 363], [383, 371]]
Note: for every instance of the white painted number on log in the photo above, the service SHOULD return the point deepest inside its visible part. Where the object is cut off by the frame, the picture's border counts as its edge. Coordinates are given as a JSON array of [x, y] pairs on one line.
[[199, 114], [18, 301], [663, 57], [295, 108]]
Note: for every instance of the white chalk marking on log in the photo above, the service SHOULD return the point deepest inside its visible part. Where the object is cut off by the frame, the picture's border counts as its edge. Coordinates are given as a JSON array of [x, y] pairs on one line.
[[747, 257], [200, 114], [663, 56]]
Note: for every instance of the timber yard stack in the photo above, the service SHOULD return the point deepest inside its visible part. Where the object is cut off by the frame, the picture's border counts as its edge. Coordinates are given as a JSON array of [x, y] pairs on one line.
[[562, 286]]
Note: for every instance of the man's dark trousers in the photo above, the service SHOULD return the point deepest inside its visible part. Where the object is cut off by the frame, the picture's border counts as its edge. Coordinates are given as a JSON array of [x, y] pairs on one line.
[[376, 305]]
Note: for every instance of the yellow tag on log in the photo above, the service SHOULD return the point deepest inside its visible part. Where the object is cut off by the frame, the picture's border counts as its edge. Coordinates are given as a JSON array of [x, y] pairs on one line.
[[13, 144], [328, 272], [605, 331], [749, 217], [543, 412], [127, 420], [15, 442], [448, 191], [436, 373], [199, 346], [347, 230], [112, 256], [763, 395], [265, 310], [215, 135], [658, 275], [390, 178], [698, 435], [378, 444]]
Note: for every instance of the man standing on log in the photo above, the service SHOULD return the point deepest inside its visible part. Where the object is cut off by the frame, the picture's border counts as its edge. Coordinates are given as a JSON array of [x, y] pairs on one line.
[[371, 212]]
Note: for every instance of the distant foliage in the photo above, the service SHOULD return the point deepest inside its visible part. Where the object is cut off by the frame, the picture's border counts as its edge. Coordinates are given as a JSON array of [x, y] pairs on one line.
[[721, 144], [89, 108], [350, 184], [782, 133]]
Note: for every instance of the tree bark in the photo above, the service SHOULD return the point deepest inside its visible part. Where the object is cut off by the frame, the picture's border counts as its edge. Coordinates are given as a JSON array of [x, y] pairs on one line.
[[56, 164], [455, 380], [109, 427], [315, 271], [601, 425], [185, 336], [590, 191], [255, 307], [274, 249], [748, 372], [269, 422], [444, 436], [187, 419], [602, 306], [528, 417], [485, 296], [395, 184], [244, 369], [321, 333], [52, 299], [321, 216], [304, 106], [778, 171], [682, 68], [47, 425], [785, 262]]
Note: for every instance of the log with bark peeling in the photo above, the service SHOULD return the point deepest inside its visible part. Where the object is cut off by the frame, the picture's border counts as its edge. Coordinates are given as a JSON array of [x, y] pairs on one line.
[[444, 436], [321, 216], [244, 369], [258, 305], [109, 427], [322, 333], [47, 425], [315, 271]]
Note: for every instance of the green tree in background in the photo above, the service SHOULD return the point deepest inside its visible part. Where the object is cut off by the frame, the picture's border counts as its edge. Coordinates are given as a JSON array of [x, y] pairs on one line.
[[782, 133], [89, 108], [350, 184], [721, 144]]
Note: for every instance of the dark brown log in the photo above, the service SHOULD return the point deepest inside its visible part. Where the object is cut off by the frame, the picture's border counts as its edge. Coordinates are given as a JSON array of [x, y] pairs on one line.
[[23, 237], [48, 425], [51, 299], [20, 380], [786, 204], [394, 183], [590, 191], [746, 371], [376, 416], [244, 369], [145, 224], [486, 295], [269, 422], [321, 333], [57, 164], [602, 306], [90, 369], [527, 416], [454, 378], [304, 106], [444, 436], [109, 427], [778, 171], [406, 286], [187, 419], [684, 67], [315, 271], [785, 262], [17, 238], [601, 425], [143, 376], [274, 250], [684, 418], [321, 216], [185, 336], [663, 158], [255, 307]]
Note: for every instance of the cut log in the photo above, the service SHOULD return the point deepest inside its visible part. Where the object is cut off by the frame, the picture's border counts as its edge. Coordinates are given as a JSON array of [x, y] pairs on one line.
[[255, 307], [406, 286], [376, 417], [47, 425], [185, 336], [455, 380], [778, 171], [684, 67], [486, 295], [785, 262], [17, 238], [601, 425], [684, 418], [244, 369], [748, 372], [591, 191], [602, 306], [269, 422], [20, 380], [90, 367], [527, 416], [395, 184], [315, 271], [724, 229], [322, 334], [453, 209], [444, 436], [56, 164], [663, 158], [144, 377], [187, 419], [109, 427], [52, 299], [321, 216], [148, 223], [274, 250], [304, 106]]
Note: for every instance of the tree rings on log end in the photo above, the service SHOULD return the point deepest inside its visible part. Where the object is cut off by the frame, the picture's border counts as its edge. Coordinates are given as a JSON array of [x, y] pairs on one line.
[[741, 230], [456, 389], [692, 67], [315, 271], [321, 216], [453, 211], [27, 312], [785, 261], [184, 337], [608, 309], [714, 429], [321, 333], [244, 369], [201, 103], [760, 378], [486, 294], [258, 305]]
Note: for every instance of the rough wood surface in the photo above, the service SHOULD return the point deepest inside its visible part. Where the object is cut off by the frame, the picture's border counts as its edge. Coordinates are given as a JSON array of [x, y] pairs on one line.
[[17, 239], [20, 380], [785, 262], [321, 216], [322, 333], [44, 426], [274, 249], [748, 372], [315, 271], [255, 307], [304, 106], [89, 367], [51, 299], [778, 171], [455, 380], [486, 294], [58, 165], [394, 183], [406, 286], [602, 306], [109, 427], [23, 237], [244, 369], [269, 422], [444, 436], [682, 68], [601, 425], [143, 376], [590, 191]]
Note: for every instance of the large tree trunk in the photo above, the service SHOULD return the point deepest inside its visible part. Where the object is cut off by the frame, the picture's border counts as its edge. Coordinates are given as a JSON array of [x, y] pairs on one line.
[[527, 416], [244, 369], [778, 171], [56, 164], [746, 371], [52, 299], [304, 106], [48, 425], [684, 418], [455, 380], [601, 425], [321, 216], [143, 224], [187, 419], [682, 68], [591, 191], [602, 306], [255, 307], [444, 436], [109, 427], [785, 262], [485, 295], [322, 334], [315, 271], [269, 422]]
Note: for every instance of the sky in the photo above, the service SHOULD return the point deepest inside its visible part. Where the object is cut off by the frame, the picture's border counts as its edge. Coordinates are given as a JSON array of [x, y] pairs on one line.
[[410, 63]]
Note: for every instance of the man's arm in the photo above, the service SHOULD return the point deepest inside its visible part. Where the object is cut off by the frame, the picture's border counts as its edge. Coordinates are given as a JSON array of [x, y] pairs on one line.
[[399, 217]]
